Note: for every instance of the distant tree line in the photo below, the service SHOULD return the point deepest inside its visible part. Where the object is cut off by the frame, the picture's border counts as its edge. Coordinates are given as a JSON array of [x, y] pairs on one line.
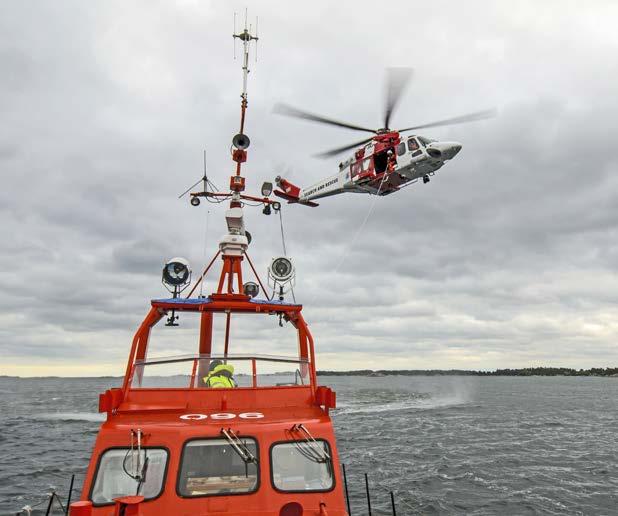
[[527, 371]]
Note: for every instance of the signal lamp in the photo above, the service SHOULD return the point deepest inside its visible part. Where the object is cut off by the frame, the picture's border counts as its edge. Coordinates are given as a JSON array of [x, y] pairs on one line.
[[241, 141], [195, 201], [251, 289], [281, 269], [267, 189], [176, 275]]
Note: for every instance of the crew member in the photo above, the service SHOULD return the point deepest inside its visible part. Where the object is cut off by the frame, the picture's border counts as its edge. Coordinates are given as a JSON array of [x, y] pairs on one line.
[[220, 375]]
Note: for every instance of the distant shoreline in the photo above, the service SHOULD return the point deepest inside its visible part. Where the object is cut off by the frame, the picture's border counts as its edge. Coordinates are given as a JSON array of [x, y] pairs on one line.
[[528, 371]]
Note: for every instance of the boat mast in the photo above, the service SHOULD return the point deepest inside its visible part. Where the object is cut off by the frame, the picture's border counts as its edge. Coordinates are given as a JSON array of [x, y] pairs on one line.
[[241, 140]]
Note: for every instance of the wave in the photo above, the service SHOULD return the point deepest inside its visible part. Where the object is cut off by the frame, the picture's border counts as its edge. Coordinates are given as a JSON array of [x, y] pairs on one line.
[[73, 416], [413, 403]]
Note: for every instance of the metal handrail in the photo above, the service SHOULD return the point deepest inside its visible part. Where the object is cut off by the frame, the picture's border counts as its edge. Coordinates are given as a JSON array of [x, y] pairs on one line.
[[264, 358]]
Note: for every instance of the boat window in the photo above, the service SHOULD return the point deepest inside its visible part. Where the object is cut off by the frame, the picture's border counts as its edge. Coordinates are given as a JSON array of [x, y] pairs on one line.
[[214, 467], [412, 144], [401, 149], [297, 467], [122, 473]]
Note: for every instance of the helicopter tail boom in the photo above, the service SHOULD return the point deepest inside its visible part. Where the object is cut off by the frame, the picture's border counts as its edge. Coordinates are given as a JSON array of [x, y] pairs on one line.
[[291, 192]]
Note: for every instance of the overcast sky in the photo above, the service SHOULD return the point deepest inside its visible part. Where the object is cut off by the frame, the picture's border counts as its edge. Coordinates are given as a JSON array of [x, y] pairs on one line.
[[507, 258]]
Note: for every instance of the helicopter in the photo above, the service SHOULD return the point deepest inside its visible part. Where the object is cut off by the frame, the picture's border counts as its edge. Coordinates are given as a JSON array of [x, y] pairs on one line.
[[385, 161]]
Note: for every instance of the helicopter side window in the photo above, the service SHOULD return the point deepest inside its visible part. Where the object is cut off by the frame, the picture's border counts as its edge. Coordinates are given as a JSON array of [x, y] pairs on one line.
[[214, 467], [412, 144], [300, 466], [401, 149], [122, 473]]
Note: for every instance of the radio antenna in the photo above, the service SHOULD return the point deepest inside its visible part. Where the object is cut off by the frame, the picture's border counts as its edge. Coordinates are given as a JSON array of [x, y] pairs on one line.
[[246, 37], [205, 178]]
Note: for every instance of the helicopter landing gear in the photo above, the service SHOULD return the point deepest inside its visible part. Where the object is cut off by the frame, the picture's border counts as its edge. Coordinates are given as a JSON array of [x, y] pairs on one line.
[[425, 179]]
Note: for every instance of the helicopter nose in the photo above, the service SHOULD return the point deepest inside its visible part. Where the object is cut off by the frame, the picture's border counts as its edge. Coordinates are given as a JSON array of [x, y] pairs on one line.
[[444, 150]]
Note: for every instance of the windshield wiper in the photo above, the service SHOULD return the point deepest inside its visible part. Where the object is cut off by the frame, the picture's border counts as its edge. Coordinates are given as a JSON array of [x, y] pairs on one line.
[[314, 451], [239, 447]]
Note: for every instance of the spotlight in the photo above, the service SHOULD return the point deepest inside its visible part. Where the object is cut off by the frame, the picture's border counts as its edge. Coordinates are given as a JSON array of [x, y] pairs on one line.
[[176, 275], [276, 206], [267, 189], [266, 210], [251, 289], [241, 141], [281, 269], [195, 201]]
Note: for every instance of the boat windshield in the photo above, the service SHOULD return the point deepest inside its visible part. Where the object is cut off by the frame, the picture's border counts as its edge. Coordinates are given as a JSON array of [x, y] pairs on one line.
[[296, 468], [117, 474], [214, 467], [193, 372]]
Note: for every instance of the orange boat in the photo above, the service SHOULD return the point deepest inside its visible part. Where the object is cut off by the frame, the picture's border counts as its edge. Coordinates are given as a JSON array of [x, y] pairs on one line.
[[241, 434]]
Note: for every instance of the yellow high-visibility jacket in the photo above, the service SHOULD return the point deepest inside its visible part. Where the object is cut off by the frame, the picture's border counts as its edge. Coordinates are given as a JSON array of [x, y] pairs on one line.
[[221, 377]]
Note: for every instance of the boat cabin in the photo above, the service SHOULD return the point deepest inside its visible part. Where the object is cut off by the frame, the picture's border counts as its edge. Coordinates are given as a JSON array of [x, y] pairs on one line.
[[173, 443]]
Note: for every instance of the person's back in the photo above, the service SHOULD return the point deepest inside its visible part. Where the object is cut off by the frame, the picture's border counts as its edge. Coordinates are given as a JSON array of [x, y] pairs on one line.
[[220, 375]]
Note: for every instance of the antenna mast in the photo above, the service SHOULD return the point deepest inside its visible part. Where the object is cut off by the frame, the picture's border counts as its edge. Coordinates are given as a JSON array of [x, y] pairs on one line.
[[246, 37], [240, 142]]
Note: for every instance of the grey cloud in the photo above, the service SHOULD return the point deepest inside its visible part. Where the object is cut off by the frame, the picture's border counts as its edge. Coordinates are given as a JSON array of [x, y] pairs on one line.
[[507, 257]]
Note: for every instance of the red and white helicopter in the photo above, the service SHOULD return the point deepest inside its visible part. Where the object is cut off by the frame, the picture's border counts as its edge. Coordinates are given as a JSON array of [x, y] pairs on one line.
[[386, 161]]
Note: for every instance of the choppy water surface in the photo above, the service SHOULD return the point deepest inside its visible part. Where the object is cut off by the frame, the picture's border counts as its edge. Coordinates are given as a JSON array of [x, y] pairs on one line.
[[445, 445]]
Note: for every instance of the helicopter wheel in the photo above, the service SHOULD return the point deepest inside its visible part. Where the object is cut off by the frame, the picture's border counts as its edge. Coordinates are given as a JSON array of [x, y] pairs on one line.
[[425, 179]]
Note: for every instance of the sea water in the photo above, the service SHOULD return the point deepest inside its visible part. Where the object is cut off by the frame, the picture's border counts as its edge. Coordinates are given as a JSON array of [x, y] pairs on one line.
[[443, 444]]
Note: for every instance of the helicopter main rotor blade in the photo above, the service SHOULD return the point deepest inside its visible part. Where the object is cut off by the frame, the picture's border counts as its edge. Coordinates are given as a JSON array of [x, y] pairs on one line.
[[284, 109], [396, 82], [471, 117], [339, 150]]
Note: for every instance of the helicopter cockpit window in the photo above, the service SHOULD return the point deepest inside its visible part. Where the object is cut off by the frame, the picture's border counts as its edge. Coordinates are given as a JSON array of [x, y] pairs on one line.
[[425, 141], [122, 473], [412, 144], [300, 466], [401, 149], [214, 467]]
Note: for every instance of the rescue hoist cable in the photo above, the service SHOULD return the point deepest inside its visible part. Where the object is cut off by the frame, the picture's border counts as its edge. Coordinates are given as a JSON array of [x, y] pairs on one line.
[[348, 248]]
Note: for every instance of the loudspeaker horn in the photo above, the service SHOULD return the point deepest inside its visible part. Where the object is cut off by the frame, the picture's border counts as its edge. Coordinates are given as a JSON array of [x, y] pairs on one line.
[[241, 141]]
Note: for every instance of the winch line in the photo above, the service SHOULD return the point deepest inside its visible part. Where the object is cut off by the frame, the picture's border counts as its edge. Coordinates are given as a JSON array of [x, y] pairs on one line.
[[349, 247]]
